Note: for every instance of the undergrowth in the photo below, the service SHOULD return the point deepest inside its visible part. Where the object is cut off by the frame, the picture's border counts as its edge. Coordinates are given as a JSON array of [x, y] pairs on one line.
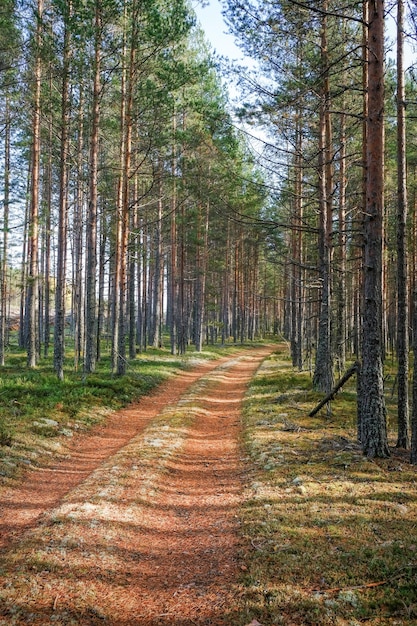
[[39, 413], [329, 536]]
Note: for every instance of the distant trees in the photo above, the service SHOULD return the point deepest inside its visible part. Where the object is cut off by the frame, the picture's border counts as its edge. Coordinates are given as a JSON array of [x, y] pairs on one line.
[[142, 199]]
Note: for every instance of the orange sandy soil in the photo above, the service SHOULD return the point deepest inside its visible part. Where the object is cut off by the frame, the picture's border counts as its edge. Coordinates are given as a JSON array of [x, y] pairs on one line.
[[139, 525]]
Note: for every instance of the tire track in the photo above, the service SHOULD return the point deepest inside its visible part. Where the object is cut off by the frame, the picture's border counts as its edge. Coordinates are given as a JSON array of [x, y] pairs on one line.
[[149, 538]]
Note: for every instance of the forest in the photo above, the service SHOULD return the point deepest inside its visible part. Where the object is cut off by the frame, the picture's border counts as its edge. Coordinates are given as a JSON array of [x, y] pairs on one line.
[[140, 207]]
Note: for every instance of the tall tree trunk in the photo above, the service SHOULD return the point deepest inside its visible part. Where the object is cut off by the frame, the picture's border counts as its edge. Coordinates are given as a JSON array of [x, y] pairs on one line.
[[60, 288], [201, 278], [115, 291], [128, 127], [413, 456], [173, 259], [91, 337], [225, 310], [47, 235], [155, 338], [4, 260], [45, 256], [32, 298], [323, 374], [341, 277], [23, 322], [403, 440], [359, 294], [133, 256], [374, 429], [78, 291], [101, 304], [181, 307], [299, 234]]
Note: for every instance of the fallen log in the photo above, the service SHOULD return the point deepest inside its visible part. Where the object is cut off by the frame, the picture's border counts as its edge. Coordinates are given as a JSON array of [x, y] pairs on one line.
[[352, 370]]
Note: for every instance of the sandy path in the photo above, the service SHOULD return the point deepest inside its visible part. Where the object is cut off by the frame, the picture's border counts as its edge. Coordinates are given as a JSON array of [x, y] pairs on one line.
[[150, 537], [43, 488]]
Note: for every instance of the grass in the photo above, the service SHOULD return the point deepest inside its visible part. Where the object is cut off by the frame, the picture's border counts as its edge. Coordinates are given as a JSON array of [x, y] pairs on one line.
[[329, 536], [38, 413]]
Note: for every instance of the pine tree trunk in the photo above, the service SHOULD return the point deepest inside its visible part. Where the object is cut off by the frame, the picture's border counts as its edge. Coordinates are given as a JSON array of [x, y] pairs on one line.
[[101, 303], [202, 266], [359, 294], [6, 212], [413, 455], [225, 306], [181, 310], [91, 335], [133, 263], [78, 228], [173, 317], [23, 322], [121, 355], [32, 294], [299, 222], [44, 308], [115, 286], [59, 328], [155, 339], [374, 429], [341, 278], [323, 374], [403, 440]]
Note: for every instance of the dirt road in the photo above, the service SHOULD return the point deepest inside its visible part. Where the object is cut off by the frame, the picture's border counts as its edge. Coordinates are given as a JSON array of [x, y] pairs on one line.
[[140, 525]]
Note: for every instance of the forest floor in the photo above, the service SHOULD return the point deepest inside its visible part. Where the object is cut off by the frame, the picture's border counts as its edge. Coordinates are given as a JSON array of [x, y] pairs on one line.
[[139, 524], [215, 501]]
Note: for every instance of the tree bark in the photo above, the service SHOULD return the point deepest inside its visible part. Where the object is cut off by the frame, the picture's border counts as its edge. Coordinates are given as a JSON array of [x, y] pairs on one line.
[[323, 374], [403, 440], [6, 212], [359, 295], [121, 354], [78, 228], [91, 226], [413, 455], [32, 295], [202, 266], [59, 328], [374, 430]]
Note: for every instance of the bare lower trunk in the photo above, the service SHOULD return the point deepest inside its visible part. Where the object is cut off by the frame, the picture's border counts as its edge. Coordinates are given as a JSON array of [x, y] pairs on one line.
[[91, 226], [374, 430], [59, 327], [4, 263], [403, 440], [323, 374]]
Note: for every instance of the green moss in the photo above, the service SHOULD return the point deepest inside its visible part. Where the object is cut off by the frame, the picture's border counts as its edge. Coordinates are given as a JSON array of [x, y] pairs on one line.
[[329, 533]]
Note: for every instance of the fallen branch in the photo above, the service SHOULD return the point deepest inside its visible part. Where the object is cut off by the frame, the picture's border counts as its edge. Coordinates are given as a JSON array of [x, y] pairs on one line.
[[355, 588], [398, 574], [352, 370]]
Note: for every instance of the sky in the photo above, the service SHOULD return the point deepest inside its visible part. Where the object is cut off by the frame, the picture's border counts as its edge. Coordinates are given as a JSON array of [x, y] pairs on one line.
[[212, 22]]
